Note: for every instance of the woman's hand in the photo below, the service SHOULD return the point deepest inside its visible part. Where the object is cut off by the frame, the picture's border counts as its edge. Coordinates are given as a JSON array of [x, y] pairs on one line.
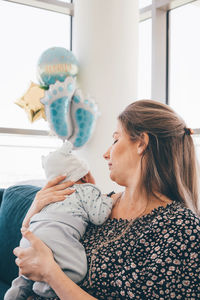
[[36, 261], [53, 191]]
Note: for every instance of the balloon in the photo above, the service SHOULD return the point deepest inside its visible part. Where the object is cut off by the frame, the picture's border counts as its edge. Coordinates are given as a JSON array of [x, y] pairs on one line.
[[57, 107], [70, 115], [84, 113], [56, 64], [30, 102]]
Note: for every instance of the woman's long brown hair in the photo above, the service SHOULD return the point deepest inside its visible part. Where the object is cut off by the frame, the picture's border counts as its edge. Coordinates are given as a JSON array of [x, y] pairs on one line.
[[170, 161]]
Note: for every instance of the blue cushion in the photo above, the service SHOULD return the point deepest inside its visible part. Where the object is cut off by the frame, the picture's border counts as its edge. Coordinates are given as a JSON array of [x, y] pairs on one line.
[[15, 203], [3, 288], [1, 195]]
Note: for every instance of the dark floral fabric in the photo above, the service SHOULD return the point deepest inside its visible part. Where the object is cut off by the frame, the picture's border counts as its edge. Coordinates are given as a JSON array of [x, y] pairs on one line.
[[158, 257]]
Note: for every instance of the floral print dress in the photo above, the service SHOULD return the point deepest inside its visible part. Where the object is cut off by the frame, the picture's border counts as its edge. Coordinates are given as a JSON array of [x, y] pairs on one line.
[[158, 256]]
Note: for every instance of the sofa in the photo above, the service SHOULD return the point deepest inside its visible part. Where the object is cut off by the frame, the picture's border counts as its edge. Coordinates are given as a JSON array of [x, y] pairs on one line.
[[14, 203]]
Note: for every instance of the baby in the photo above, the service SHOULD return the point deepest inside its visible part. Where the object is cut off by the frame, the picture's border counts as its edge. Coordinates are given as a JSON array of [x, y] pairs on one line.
[[60, 225]]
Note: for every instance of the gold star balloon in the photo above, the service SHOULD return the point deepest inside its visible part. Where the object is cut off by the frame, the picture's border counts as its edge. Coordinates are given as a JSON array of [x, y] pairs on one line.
[[30, 102]]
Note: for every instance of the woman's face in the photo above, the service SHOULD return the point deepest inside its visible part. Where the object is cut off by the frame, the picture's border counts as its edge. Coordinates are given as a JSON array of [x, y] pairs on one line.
[[123, 157]]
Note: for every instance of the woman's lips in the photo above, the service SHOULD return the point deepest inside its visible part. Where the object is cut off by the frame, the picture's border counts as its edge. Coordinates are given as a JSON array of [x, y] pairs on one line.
[[109, 165]]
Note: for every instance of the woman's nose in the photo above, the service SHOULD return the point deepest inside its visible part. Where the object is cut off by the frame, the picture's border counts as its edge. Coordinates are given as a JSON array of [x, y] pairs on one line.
[[107, 154]]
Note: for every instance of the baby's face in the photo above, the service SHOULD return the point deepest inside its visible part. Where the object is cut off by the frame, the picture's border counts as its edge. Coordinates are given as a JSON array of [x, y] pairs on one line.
[[90, 178]]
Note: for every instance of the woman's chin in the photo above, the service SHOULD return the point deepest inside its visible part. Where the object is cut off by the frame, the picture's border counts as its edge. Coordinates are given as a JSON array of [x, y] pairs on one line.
[[115, 179], [112, 177]]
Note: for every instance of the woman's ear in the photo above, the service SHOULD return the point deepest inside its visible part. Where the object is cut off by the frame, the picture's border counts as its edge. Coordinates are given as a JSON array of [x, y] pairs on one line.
[[143, 143]]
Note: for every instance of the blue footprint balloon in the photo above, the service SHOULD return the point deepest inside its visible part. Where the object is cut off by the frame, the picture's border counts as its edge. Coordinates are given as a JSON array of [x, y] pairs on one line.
[[84, 113], [57, 102]]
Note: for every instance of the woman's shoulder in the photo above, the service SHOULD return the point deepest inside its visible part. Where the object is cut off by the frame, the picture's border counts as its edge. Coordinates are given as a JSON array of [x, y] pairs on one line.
[[176, 220], [178, 213], [173, 229]]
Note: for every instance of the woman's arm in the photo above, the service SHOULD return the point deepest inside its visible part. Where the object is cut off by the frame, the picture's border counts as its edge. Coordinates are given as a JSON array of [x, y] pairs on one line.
[[38, 264], [53, 191]]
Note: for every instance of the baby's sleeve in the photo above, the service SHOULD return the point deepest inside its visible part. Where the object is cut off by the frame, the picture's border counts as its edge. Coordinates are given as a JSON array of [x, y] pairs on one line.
[[97, 206]]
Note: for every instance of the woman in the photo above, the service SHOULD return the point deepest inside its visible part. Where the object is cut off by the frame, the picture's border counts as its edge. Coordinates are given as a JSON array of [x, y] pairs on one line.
[[149, 247]]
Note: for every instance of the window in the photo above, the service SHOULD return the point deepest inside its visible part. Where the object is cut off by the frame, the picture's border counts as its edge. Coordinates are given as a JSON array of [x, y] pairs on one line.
[[184, 64], [181, 66], [145, 45], [20, 158], [31, 31]]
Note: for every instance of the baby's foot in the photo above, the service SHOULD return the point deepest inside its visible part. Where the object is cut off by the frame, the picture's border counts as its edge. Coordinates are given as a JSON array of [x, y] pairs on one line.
[[43, 289], [21, 289], [83, 114], [57, 107]]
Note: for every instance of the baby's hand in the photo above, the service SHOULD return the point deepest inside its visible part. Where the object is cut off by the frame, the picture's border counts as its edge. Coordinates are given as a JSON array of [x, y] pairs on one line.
[[116, 196]]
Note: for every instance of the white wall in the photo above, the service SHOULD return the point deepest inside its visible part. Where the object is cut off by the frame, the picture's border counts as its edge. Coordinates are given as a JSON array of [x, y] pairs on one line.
[[105, 41]]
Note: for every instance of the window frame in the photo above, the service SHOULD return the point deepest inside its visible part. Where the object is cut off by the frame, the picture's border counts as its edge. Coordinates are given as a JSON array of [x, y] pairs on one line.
[[52, 5]]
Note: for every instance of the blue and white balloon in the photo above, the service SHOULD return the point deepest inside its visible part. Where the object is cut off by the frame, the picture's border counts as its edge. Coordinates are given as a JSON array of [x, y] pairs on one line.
[[57, 102], [70, 115], [55, 64], [84, 113]]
